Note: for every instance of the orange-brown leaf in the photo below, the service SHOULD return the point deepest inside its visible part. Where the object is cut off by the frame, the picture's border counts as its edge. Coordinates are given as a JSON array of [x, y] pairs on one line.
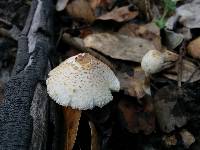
[[71, 117], [81, 9], [194, 48]]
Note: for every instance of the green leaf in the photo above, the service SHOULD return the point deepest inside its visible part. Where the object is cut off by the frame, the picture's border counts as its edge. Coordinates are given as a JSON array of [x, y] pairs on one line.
[[170, 5], [160, 23]]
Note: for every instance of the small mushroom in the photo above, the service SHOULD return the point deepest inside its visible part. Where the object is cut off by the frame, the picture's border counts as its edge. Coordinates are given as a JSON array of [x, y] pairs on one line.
[[155, 61], [82, 82]]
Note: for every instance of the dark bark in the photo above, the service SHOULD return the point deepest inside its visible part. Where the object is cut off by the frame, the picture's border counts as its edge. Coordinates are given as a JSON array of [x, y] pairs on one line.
[[17, 123]]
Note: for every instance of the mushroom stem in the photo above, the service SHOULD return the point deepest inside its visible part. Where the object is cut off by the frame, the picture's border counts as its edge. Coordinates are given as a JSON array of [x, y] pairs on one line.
[[75, 44]]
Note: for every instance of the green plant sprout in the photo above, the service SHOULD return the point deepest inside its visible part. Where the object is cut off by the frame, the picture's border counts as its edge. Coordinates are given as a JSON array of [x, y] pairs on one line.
[[169, 7]]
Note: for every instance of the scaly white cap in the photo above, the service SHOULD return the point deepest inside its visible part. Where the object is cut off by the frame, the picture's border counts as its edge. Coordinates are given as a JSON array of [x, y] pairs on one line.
[[82, 82]]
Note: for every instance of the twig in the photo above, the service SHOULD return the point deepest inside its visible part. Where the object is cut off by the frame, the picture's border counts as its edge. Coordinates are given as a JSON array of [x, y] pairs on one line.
[[180, 63], [72, 42], [5, 22], [12, 33], [59, 38], [5, 33]]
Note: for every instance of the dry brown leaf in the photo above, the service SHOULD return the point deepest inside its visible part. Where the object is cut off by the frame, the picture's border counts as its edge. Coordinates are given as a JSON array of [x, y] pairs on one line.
[[137, 118], [194, 48], [95, 139], [61, 4], [134, 85], [81, 9], [119, 46], [100, 3], [72, 118], [190, 72], [119, 14], [149, 31]]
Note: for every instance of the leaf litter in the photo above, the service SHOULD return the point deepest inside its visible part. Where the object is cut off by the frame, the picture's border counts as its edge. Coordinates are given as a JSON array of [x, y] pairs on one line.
[[120, 33], [123, 45]]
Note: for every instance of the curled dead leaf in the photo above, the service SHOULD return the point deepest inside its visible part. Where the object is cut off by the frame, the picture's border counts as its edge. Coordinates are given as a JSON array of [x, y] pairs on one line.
[[71, 118], [119, 46], [119, 14]]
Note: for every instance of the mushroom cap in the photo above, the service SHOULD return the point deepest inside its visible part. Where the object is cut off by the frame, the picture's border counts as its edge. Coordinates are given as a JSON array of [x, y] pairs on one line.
[[82, 82], [152, 62]]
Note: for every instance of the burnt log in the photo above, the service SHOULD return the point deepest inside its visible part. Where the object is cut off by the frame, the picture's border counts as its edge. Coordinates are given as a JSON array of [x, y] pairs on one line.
[[19, 122]]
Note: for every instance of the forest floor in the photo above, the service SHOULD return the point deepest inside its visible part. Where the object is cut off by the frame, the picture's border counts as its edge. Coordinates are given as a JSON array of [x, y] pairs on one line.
[[158, 104]]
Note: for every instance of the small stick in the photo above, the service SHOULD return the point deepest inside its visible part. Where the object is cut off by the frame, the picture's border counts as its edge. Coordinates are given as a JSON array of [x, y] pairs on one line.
[[72, 42], [5, 22], [180, 63], [5, 33]]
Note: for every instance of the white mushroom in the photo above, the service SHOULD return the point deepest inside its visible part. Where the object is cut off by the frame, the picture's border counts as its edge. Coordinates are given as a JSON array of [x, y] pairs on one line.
[[155, 61], [82, 82]]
